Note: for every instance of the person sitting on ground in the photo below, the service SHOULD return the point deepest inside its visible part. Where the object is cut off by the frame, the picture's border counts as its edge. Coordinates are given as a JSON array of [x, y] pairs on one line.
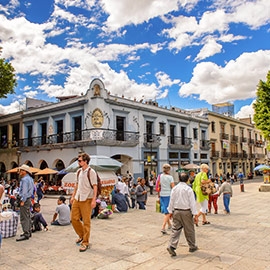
[[119, 203], [8, 227], [63, 213], [38, 219]]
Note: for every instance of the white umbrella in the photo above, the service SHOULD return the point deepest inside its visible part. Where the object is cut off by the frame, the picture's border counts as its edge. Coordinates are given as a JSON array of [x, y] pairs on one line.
[[191, 166], [261, 167], [98, 163]]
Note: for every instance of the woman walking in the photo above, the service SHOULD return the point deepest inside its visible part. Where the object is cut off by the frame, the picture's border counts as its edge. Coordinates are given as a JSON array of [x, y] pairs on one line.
[[202, 178], [165, 186]]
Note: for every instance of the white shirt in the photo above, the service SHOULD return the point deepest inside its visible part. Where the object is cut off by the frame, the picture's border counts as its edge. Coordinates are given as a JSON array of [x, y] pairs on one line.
[[182, 197], [84, 190], [121, 187]]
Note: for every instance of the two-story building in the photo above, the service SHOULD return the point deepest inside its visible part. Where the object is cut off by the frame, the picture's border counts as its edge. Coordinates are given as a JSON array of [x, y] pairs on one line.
[[138, 133]]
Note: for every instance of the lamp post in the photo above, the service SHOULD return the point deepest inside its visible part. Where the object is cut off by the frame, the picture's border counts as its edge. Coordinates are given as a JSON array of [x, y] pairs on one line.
[[18, 153]]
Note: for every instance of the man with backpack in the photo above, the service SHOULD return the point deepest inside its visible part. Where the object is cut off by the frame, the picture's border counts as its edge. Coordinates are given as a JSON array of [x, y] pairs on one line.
[[83, 200]]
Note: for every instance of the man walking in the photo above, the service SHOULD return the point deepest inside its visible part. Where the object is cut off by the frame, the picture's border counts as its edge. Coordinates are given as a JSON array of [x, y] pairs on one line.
[[226, 189], [25, 193], [182, 208], [83, 200]]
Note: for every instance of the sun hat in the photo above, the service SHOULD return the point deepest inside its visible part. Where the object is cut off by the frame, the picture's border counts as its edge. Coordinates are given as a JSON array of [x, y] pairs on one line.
[[26, 168]]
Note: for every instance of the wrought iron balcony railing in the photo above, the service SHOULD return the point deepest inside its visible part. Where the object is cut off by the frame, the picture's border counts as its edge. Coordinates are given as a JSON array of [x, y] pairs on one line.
[[205, 144], [175, 142], [151, 140], [95, 136]]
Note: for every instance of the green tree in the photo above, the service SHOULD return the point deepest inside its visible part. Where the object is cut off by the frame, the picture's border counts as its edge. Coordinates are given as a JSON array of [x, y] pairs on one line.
[[7, 78], [262, 108]]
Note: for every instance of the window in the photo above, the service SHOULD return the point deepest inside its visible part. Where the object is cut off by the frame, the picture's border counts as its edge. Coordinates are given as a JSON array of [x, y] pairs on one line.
[[195, 133], [43, 133], [29, 135], [213, 127], [120, 128], [195, 155], [172, 134], [204, 135], [59, 131], [77, 122], [162, 128], [183, 135], [203, 156], [173, 155], [149, 131]]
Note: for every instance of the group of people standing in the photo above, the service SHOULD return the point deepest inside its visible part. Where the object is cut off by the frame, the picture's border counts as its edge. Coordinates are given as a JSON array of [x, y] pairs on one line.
[[178, 202]]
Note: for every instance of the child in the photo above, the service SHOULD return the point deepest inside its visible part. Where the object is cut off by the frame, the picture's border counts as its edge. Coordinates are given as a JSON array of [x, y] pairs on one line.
[[38, 219], [63, 213]]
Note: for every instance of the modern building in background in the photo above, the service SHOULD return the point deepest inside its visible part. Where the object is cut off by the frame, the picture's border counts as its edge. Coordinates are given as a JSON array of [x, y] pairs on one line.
[[138, 133]]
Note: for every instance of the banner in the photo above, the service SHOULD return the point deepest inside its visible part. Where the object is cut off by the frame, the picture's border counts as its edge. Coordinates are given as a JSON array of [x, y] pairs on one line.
[[245, 147], [225, 144]]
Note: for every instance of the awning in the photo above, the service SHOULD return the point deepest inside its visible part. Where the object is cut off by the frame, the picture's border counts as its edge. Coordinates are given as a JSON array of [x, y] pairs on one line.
[[108, 178]]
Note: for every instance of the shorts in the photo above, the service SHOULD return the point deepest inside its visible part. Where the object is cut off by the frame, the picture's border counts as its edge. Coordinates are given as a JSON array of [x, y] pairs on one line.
[[204, 206]]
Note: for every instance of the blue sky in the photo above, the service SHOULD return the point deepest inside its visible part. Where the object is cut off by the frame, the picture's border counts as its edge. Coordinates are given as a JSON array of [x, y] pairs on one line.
[[187, 54]]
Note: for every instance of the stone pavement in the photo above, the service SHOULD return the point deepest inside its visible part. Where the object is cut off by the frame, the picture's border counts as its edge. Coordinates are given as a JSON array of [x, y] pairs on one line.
[[133, 240]]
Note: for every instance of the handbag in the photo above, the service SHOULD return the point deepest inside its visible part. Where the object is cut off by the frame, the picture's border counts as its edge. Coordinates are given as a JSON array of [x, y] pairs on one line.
[[158, 210], [208, 188]]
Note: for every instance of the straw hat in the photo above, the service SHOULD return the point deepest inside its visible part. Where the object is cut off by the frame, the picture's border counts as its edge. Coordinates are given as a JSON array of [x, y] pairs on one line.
[[25, 168]]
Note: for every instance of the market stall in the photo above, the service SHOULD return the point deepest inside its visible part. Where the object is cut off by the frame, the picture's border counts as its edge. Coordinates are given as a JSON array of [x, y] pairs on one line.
[[108, 180]]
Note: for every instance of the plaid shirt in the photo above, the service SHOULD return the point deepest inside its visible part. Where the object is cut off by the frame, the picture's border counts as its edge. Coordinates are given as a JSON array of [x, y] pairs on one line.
[[8, 228]]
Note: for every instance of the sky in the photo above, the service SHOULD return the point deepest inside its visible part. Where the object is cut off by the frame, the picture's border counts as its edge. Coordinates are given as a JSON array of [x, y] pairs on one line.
[[183, 53]]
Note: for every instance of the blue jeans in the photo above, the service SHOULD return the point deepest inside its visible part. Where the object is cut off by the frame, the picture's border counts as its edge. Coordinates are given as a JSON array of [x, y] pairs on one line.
[[141, 205], [226, 201]]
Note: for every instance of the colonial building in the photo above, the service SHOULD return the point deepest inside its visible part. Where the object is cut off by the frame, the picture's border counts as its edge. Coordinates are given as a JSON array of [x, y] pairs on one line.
[[236, 145], [138, 133]]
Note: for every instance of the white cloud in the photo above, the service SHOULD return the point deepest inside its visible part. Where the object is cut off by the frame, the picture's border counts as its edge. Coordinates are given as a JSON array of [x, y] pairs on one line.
[[122, 13], [258, 13], [246, 111], [236, 81], [209, 49], [12, 108], [164, 80]]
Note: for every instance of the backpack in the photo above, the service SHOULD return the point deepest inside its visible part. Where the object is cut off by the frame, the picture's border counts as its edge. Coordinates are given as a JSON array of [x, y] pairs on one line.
[[98, 181]]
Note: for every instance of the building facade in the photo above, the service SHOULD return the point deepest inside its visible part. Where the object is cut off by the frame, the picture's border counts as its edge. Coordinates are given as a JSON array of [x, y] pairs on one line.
[[140, 134], [236, 145]]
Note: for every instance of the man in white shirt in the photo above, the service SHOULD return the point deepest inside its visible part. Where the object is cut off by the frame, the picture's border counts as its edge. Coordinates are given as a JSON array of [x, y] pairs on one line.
[[83, 200], [182, 208]]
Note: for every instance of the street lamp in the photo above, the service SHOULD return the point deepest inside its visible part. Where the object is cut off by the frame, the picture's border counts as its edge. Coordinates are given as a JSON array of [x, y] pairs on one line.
[[18, 153]]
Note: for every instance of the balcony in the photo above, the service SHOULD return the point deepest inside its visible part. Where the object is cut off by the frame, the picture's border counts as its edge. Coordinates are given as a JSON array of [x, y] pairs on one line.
[[151, 140], [205, 145], [224, 136], [234, 139], [214, 154], [260, 156], [179, 143], [250, 141], [235, 155], [259, 143], [225, 155], [81, 138], [243, 139]]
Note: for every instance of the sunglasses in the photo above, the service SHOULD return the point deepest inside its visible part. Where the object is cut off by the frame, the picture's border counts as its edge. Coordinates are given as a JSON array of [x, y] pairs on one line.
[[80, 160]]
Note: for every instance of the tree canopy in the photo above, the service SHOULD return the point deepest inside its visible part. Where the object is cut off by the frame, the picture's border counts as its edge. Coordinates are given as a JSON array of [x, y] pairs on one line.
[[7, 78], [262, 108]]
